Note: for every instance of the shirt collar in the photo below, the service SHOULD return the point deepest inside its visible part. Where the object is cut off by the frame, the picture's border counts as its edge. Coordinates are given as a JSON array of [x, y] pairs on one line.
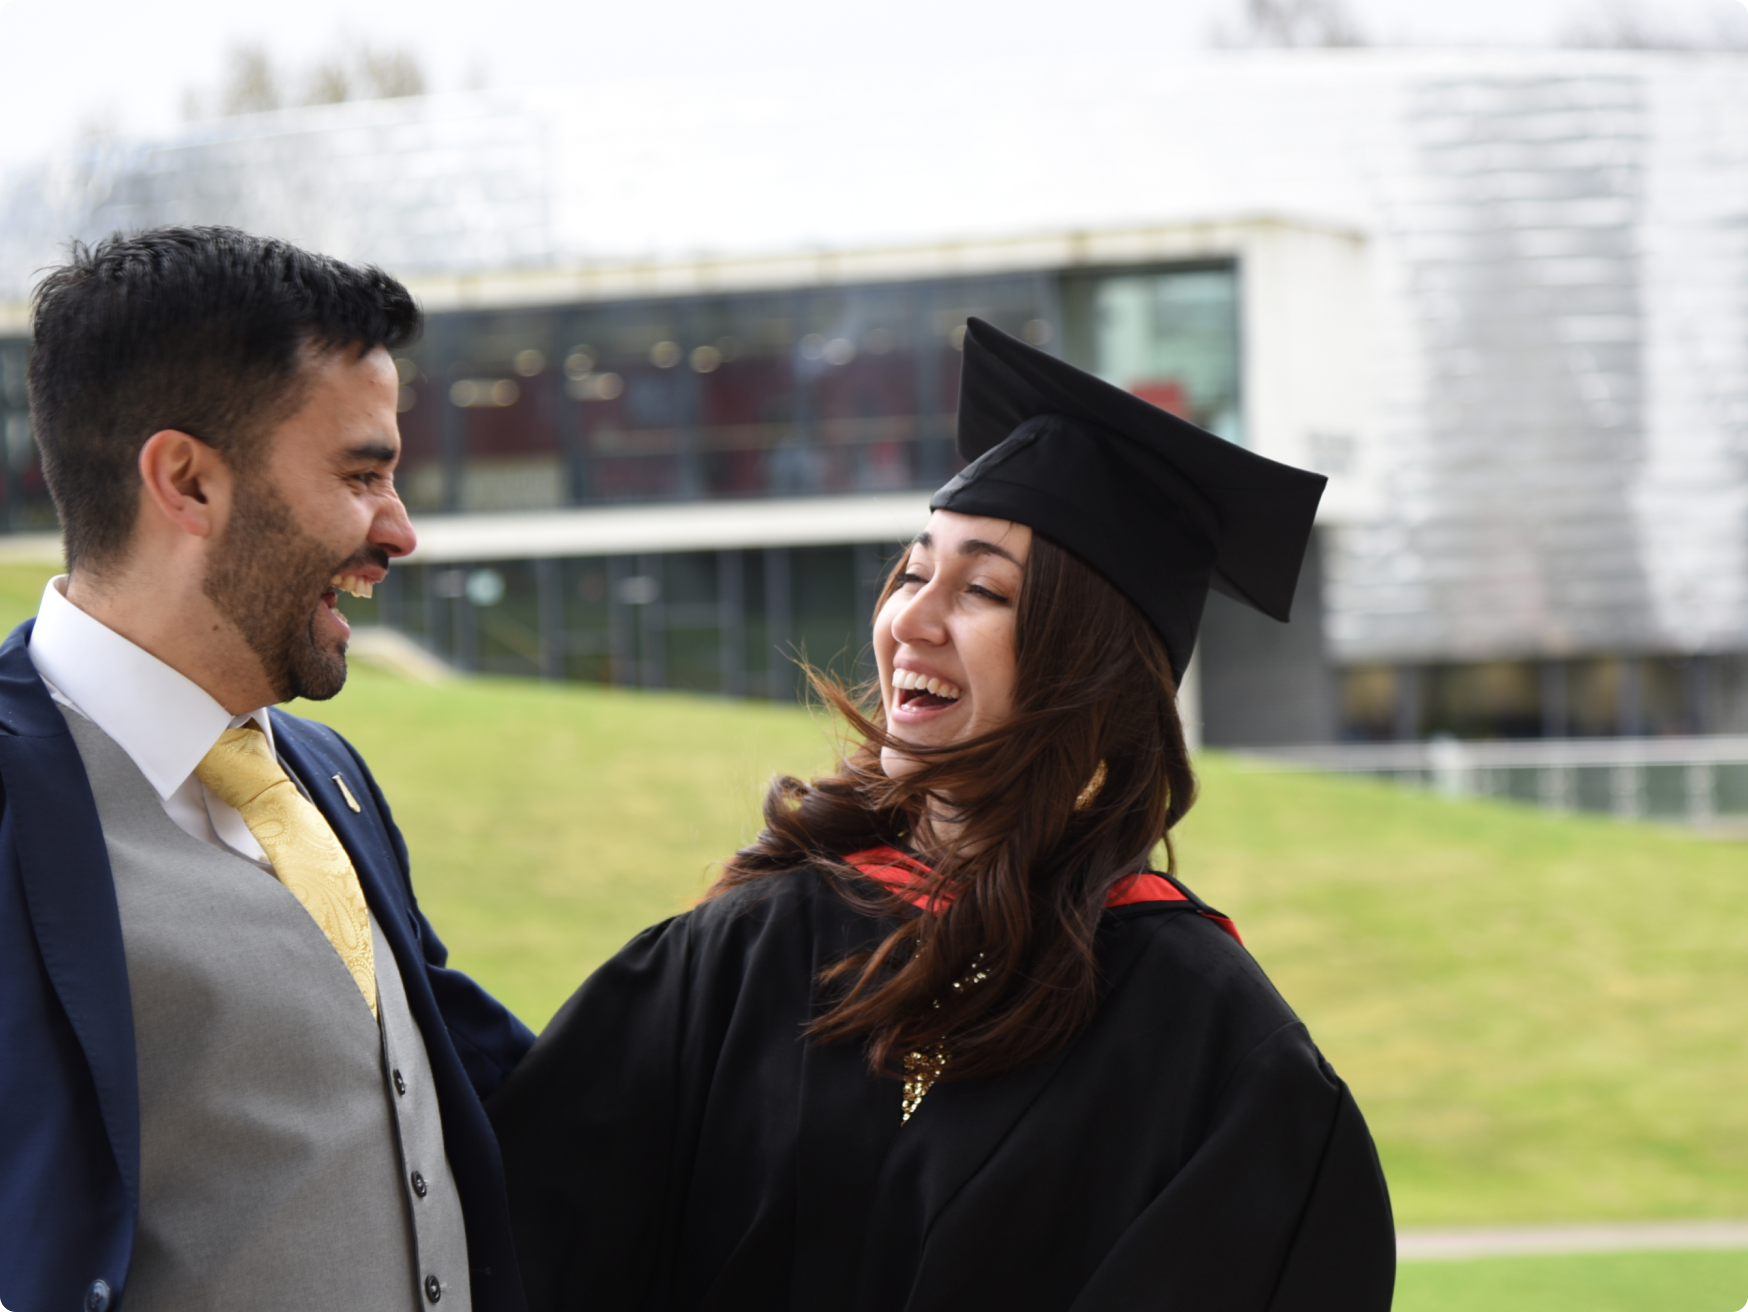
[[162, 719]]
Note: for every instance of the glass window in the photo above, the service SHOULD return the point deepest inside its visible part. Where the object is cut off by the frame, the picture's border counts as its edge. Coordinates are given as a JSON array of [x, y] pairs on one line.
[[805, 392], [25, 499], [1488, 699], [1368, 703], [1593, 697], [1169, 335]]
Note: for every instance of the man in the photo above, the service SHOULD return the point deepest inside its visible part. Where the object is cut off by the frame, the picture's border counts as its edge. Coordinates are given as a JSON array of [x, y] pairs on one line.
[[234, 1070]]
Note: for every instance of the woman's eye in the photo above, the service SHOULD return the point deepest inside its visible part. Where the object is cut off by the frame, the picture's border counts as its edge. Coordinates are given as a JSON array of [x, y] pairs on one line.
[[907, 578], [982, 591]]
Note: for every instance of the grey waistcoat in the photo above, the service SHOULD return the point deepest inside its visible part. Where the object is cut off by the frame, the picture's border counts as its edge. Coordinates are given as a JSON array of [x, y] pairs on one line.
[[291, 1149]]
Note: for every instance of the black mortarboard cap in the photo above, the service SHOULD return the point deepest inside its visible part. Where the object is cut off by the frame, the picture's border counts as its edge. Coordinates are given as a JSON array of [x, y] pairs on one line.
[[1160, 508]]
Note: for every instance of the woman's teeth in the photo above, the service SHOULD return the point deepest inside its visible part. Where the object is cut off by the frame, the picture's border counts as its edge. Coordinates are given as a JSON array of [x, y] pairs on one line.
[[352, 583], [910, 680]]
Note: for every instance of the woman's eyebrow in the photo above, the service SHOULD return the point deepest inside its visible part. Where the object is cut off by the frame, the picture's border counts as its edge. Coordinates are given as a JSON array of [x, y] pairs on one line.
[[978, 547], [971, 547]]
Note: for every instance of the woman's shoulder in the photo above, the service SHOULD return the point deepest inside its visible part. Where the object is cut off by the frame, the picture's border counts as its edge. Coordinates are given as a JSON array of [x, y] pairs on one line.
[[801, 902], [761, 897], [1181, 957], [766, 929]]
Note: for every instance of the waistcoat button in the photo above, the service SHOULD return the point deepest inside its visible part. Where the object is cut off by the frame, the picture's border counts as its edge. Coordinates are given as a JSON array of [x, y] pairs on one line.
[[97, 1297], [419, 1186], [433, 1290], [400, 1084]]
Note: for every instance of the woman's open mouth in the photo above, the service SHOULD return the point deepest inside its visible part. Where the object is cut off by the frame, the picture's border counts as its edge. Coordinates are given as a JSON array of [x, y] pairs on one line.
[[922, 692]]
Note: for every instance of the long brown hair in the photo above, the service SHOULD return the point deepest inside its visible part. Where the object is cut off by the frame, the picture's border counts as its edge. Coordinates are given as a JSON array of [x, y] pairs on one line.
[[1073, 792]]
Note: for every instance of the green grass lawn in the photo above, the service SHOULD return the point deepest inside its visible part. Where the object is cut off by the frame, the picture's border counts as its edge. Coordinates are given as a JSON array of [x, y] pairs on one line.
[[1594, 1282], [1544, 1017], [21, 592]]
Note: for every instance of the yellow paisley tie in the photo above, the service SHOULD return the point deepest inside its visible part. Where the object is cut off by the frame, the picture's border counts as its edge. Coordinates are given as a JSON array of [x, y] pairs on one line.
[[306, 857]]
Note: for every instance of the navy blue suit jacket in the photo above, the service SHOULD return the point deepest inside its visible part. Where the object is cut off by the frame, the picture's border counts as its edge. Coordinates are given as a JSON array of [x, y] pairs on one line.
[[69, 1093]]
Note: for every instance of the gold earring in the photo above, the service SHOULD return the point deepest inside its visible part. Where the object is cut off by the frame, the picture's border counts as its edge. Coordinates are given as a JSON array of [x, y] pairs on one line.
[[1091, 791]]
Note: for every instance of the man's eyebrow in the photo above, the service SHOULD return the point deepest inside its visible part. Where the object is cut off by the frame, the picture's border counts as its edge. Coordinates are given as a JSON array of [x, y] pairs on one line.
[[377, 453], [978, 547]]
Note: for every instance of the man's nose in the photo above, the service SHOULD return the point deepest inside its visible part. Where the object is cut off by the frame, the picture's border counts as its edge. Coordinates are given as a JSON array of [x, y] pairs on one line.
[[392, 529]]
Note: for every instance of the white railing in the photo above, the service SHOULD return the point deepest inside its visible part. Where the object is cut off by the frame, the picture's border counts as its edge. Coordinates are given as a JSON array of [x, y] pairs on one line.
[[1698, 779]]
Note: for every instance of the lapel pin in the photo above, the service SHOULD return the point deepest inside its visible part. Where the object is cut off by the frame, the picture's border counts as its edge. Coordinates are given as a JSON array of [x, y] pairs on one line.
[[346, 792]]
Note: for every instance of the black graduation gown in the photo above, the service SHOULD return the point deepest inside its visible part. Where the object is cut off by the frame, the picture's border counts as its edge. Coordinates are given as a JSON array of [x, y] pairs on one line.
[[672, 1143]]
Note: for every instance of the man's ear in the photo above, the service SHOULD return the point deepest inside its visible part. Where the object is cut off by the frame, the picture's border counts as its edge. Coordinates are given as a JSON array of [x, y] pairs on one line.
[[186, 481]]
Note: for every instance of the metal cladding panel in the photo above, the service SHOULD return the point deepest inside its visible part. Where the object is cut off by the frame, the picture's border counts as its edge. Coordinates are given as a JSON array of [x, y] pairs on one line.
[[1557, 242], [1518, 434], [1563, 340], [1691, 497]]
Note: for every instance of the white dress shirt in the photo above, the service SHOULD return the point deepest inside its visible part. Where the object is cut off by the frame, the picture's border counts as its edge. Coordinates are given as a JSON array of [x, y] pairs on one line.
[[164, 721]]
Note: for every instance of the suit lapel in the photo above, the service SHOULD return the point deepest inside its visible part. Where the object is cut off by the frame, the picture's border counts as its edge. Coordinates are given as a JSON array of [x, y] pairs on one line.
[[362, 832], [314, 753], [64, 867]]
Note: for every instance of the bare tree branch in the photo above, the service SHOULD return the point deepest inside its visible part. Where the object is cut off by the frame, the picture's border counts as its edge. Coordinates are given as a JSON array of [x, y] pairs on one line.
[[252, 82], [1293, 23], [330, 83], [387, 74], [1627, 25]]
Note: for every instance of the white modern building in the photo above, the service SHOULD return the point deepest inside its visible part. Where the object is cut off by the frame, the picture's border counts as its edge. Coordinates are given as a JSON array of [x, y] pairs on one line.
[[692, 358]]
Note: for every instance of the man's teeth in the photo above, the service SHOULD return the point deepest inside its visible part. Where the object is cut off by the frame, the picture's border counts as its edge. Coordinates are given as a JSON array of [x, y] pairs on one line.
[[911, 680], [358, 587]]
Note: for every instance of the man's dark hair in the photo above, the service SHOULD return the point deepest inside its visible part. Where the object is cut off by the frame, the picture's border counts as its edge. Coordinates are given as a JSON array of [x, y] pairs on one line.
[[203, 330]]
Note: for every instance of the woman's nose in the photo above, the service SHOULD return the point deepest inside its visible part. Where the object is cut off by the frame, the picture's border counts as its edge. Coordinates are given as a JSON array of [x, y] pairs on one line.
[[920, 619]]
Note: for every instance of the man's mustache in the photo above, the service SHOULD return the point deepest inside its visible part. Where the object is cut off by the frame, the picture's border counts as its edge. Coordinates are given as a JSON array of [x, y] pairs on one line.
[[368, 557]]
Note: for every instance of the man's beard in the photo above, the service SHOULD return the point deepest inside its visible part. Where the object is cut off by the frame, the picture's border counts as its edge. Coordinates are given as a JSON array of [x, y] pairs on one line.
[[267, 577]]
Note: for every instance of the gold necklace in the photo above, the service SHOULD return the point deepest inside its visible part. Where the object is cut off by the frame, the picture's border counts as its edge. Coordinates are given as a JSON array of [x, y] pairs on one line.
[[923, 1068]]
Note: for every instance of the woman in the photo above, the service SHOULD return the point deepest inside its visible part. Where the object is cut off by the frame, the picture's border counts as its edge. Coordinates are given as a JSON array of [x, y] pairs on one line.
[[938, 1039]]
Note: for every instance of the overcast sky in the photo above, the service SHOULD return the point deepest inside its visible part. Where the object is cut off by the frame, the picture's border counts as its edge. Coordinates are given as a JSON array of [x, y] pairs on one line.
[[69, 64]]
